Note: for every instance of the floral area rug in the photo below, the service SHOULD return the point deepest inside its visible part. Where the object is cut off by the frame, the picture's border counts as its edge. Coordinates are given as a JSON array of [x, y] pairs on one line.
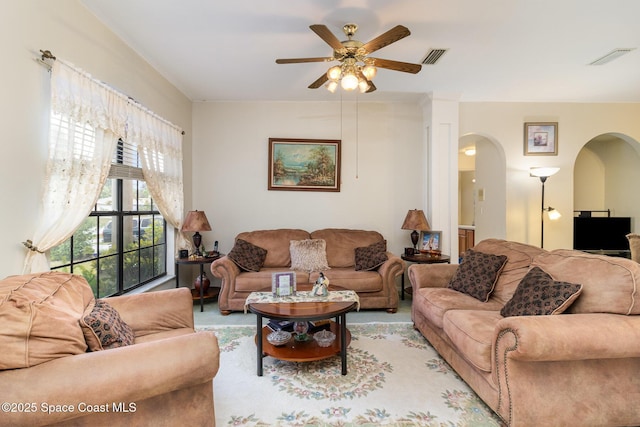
[[395, 378]]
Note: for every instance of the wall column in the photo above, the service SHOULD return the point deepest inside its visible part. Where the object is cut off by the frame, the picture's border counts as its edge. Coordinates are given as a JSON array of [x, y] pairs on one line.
[[441, 118]]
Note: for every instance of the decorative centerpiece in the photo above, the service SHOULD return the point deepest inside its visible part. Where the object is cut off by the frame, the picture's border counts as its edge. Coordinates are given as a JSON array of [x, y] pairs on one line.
[[300, 329], [324, 338], [321, 286], [279, 338]]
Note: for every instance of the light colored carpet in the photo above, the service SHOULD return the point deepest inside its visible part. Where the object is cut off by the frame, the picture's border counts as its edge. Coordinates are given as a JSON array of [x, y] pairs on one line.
[[395, 378]]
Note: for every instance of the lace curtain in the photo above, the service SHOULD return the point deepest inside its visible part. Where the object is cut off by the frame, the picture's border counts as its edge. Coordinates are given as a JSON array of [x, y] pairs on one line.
[[80, 157], [160, 149]]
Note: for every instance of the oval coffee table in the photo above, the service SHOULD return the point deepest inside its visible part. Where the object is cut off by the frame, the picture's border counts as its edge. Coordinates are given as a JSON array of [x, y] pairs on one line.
[[306, 351]]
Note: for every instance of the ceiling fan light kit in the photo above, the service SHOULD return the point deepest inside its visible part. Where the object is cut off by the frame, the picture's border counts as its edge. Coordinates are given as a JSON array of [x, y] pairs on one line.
[[357, 69]]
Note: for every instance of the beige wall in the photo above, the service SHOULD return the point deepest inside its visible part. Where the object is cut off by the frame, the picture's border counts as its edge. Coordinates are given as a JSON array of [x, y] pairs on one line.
[[67, 29], [381, 167], [577, 125], [383, 175]]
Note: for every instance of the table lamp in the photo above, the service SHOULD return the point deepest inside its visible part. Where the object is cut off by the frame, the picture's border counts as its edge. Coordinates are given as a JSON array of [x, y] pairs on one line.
[[415, 220], [196, 221]]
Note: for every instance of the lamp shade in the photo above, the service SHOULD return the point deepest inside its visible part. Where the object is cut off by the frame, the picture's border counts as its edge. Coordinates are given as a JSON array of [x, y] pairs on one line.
[[415, 220], [196, 221], [543, 172]]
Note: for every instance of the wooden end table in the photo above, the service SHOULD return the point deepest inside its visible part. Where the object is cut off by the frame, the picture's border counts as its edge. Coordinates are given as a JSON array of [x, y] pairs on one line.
[[422, 259], [307, 351], [201, 261]]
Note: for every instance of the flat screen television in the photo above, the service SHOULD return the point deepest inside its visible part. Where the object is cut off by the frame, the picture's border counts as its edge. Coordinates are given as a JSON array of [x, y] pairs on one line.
[[601, 233]]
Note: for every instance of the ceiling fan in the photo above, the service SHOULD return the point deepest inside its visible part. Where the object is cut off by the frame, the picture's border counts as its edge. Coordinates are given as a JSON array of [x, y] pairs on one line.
[[357, 69]]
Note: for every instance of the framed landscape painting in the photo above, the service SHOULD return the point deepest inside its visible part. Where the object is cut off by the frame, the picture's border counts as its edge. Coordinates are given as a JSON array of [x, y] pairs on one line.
[[304, 164], [541, 139]]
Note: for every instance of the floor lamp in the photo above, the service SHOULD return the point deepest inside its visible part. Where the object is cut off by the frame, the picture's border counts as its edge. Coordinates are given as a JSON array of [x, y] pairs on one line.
[[543, 174]]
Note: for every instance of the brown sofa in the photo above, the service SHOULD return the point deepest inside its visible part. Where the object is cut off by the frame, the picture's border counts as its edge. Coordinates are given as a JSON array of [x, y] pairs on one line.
[[164, 378], [579, 368], [376, 289]]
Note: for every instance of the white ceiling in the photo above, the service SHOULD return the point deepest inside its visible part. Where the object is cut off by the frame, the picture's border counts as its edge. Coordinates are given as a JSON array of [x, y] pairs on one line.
[[499, 50]]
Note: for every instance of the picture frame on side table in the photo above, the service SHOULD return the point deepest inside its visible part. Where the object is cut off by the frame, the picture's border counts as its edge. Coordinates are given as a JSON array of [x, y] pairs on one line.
[[541, 139], [304, 164], [430, 241], [283, 284]]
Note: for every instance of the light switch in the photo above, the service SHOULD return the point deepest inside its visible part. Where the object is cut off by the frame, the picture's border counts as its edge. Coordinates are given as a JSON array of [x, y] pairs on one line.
[[481, 194]]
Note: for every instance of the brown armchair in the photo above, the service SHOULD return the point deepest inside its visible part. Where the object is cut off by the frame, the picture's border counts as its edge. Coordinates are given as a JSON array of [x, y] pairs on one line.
[[164, 378]]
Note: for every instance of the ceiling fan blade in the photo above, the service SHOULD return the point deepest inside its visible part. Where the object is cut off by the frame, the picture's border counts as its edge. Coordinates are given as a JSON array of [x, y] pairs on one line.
[[393, 35], [326, 35], [321, 80], [372, 87], [405, 67], [299, 60]]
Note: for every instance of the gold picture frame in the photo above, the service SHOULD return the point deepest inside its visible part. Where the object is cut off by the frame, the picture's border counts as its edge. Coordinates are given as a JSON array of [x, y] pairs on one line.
[[541, 139], [304, 164]]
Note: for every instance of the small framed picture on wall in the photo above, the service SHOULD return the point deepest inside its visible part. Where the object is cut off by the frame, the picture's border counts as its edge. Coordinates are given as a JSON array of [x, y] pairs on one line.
[[541, 139]]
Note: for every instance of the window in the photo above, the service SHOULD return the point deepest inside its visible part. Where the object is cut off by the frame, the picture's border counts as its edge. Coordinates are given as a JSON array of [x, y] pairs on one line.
[[122, 244]]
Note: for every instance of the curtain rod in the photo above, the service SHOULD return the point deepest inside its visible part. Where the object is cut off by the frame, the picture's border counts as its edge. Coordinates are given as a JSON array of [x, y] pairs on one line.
[[47, 55]]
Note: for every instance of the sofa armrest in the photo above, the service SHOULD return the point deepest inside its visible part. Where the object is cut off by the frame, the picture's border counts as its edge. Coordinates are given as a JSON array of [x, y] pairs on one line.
[[431, 275], [567, 337], [152, 312], [122, 375], [227, 271], [392, 267]]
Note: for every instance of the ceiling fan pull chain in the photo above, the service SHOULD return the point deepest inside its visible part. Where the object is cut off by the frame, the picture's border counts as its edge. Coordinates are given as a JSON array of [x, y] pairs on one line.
[[357, 139]]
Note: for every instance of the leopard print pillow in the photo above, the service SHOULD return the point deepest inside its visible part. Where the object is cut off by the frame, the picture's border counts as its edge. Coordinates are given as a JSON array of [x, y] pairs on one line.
[[538, 294], [103, 327], [372, 256], [477, 274]]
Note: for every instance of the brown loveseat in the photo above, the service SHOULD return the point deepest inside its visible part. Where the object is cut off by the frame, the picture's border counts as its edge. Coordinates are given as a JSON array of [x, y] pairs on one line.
[[579, 368], [376, 288], [164, 378]]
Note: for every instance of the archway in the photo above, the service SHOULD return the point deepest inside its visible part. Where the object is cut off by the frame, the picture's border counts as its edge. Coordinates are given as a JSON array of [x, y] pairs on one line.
[[605, 172], [483, 201]]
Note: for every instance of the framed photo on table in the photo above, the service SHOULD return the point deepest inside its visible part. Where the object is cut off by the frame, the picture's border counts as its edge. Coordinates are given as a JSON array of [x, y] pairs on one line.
[[430, 241], [541, 139], [283, 284], [304, 164]]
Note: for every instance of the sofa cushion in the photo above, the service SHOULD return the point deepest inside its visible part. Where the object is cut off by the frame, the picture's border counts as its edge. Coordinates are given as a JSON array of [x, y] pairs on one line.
[[519, 259], [478, 274], [472, 333], [276, 243], [609, 284], [433, 303], [308, 255], [372, 256], [247, 256], [342, 243], [39, 316], [538, 294], [103, 328]]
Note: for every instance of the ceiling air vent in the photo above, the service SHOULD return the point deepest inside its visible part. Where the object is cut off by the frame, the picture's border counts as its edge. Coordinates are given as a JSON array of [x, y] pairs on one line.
[[433, 56], [615, 53]]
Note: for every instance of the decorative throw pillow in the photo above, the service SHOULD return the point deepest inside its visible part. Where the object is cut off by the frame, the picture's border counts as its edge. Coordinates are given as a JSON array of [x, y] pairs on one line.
[[103, 327], [477, 274], [308, 255], [247, 256], [538, 294], [372, 256]]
